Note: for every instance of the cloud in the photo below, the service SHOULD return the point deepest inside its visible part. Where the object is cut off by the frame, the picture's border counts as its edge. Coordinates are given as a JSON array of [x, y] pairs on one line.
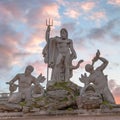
[[29, 12], [72, 13], [115, 88], [106, 30], [114, 2], [21, 54], [97, 16], [32, 45], [97, 33], [69, 26], [116, 91], [16, 45], [76, 9], [10, 11], [39, 67], [116, 37], [88, 6], [37, 16], [112, 84], [8, 42]]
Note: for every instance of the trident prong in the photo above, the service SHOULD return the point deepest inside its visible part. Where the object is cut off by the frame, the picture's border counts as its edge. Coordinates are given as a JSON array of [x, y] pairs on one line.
[[49, 22]]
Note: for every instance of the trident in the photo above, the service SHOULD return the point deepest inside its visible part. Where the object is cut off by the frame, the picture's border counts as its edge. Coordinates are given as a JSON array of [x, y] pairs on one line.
[[49, 23]]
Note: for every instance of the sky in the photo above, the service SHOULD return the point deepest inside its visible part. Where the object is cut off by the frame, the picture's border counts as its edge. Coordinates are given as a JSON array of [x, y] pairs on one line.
[[91, 24]]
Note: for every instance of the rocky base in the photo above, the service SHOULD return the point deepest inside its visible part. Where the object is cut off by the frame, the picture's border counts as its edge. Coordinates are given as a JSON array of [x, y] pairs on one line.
[[59, 96], [62, 97]]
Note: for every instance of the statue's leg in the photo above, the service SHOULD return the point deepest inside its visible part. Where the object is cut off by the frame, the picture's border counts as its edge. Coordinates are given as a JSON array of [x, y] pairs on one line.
[[59, 58], [67, 70], [108, 96], [15, 98], [28, 96], [56, 74]]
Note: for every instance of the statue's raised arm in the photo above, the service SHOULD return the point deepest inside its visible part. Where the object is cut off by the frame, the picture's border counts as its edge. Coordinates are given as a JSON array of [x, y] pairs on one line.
[[104, 61]]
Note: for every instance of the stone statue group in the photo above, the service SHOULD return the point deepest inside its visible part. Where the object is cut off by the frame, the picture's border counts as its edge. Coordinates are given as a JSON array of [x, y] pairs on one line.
[[59, 54]]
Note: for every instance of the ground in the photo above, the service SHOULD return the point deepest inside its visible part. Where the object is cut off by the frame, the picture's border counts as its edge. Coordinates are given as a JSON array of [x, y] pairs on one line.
[[68, 117]]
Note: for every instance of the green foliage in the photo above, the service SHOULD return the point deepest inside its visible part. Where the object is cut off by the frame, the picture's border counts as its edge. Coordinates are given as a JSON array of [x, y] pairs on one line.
[[106, 103], [63, 86], [65, 99], [38, 99], [35, 105], [70, 109], [23, 103], [60, 85]]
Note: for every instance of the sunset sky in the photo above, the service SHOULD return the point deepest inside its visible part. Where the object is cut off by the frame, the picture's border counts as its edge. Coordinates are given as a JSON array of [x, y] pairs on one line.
[[91, 24]]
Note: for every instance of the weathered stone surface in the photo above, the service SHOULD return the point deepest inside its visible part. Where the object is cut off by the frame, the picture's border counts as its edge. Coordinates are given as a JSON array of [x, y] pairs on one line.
[[90, 98], [5, 106], [59, 96]]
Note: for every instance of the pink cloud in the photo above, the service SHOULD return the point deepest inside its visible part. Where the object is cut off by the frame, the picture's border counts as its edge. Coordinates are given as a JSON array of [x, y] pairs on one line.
[[73, 9], [97, 16], [72, 13], [115, 88], [13, 10], [37, 17], [4, 13], [88, 6], [25, 12], [117, 99], [10, 12], [12, 41], [32, 45], [51, 10], [33, 42], [85, 6], [114, 2], [40, 67]]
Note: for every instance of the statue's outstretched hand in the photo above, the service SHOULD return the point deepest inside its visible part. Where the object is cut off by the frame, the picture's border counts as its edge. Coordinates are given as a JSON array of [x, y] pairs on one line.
[[84, 78], [41, 78]]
